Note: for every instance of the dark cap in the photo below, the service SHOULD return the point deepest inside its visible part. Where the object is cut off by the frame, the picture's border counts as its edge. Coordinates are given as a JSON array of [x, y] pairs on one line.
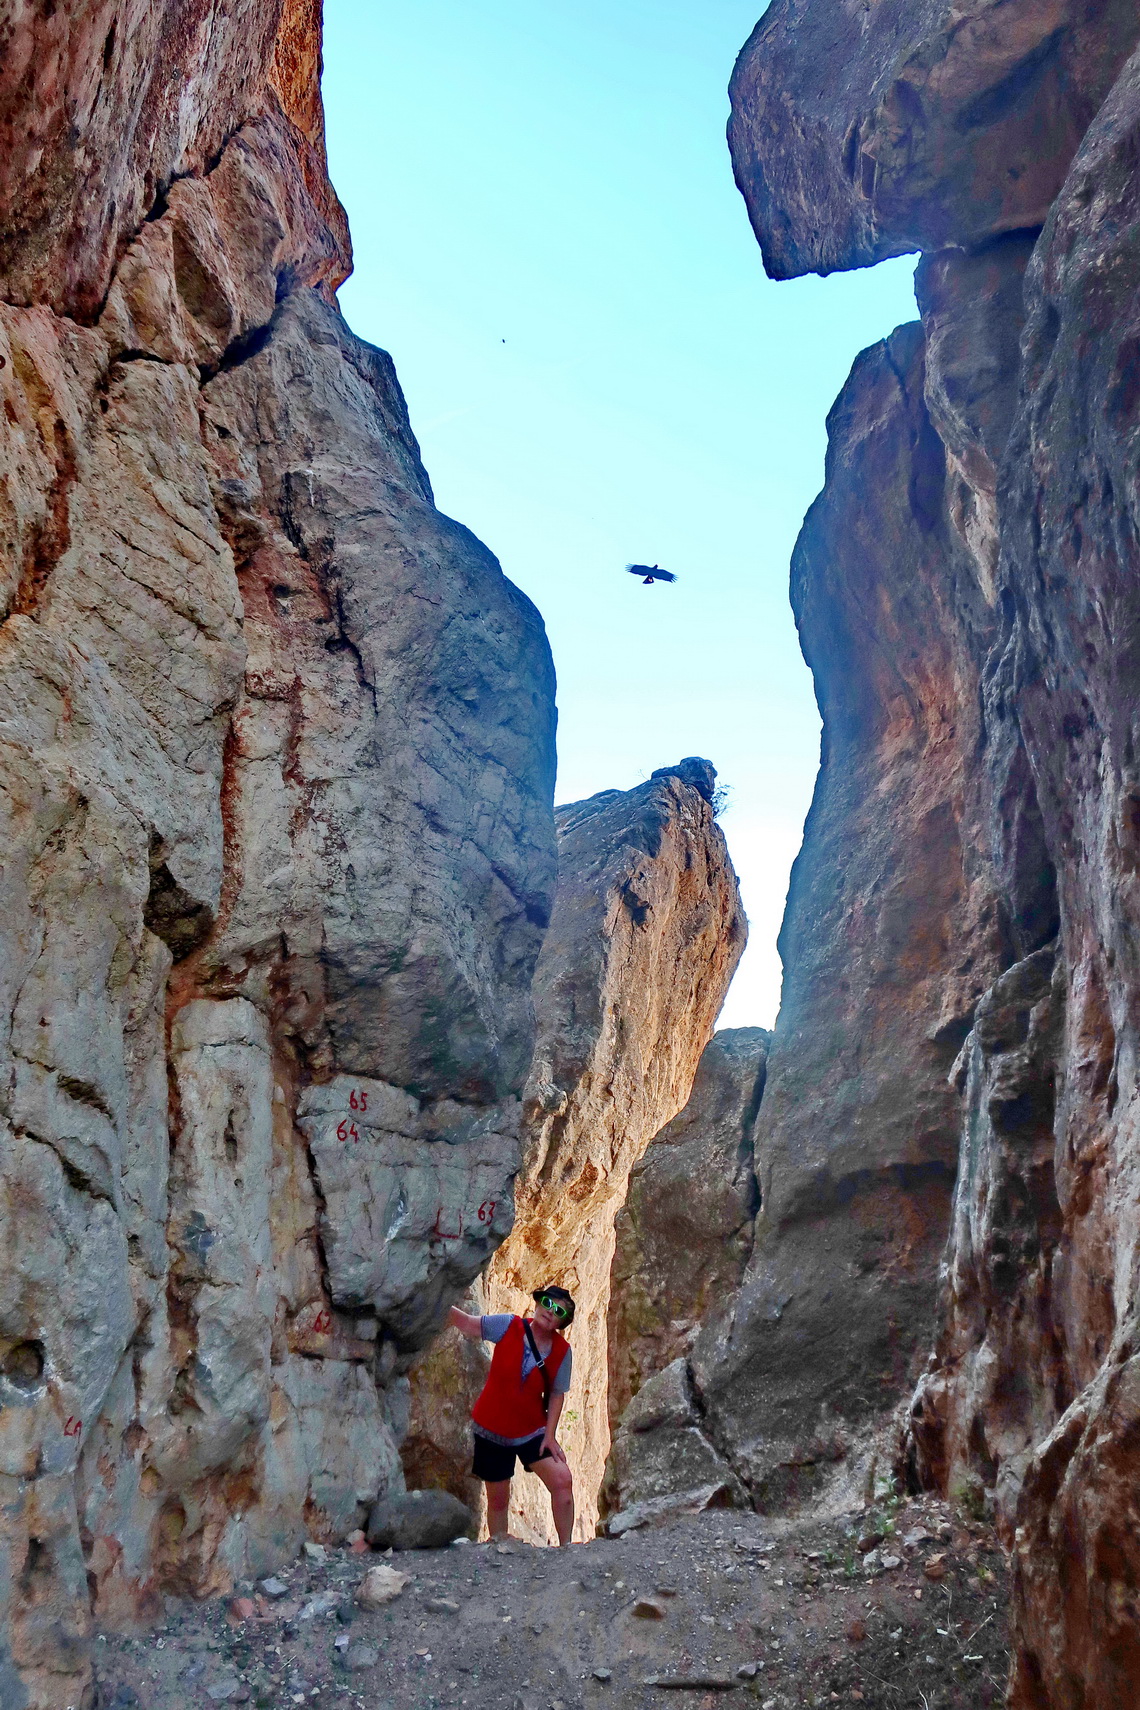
[[557, 1293]]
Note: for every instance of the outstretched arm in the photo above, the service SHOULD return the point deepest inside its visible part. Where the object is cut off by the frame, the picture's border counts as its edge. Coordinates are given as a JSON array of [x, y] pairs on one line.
[[466, 1323]]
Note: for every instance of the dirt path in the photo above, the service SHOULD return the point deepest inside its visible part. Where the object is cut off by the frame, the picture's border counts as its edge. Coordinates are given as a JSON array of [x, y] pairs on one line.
[[783, 1619]]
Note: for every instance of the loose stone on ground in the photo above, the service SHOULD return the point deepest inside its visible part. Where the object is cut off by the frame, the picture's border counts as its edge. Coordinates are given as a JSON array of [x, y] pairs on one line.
[[755, 1611]]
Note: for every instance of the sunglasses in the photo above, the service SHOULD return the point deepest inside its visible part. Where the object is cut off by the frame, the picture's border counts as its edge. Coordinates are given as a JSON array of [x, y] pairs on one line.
[[558, 1307]]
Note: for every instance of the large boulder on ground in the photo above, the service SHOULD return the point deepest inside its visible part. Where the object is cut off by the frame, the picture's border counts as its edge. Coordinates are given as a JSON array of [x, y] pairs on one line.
[[661, 1461], [419, 1520]]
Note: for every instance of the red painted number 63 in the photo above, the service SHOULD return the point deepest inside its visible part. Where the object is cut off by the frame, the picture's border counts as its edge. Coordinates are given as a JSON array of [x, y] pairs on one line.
[[347, 1131], [487, 1210]]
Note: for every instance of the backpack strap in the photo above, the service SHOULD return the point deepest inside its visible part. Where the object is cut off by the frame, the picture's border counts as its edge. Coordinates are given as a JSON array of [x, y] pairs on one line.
[[541, 1365]]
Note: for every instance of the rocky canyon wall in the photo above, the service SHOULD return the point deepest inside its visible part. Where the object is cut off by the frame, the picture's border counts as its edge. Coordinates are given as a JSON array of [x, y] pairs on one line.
[[683, 1240], [278, 851], [965, 589], [1034, 1386], [645, 935], [892, 933]]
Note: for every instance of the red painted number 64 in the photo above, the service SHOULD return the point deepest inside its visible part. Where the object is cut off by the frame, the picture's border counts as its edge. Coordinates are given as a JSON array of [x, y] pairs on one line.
[[347, 1131]]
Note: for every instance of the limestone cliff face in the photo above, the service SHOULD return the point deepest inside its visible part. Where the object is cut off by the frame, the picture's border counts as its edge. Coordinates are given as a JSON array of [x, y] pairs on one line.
[[683, 1240], [1003, 143], [277, 758], [645, 935]]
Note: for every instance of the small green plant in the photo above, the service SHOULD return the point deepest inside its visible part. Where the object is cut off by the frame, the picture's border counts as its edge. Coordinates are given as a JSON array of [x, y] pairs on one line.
[[969, 1496]]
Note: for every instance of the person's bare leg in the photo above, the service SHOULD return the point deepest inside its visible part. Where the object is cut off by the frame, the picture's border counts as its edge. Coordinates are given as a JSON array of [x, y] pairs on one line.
[[559, 1481], [498, 1502]]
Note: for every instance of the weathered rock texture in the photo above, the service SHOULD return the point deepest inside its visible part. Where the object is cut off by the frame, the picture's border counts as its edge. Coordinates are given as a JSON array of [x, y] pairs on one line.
[[644, 939], [861, 133], [961, 135], [1035, 1380], [275, 770], [646, 932], [683, 1240], [891, 935]]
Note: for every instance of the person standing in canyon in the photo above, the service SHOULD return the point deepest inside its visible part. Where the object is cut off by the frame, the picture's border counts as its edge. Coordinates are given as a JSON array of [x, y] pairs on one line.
[[518, 1410]]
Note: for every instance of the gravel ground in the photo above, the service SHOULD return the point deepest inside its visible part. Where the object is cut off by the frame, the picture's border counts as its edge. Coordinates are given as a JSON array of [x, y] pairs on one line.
[[783, 1618]]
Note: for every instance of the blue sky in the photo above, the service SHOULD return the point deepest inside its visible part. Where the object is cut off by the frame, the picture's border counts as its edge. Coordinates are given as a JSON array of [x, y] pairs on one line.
[[549, 242]]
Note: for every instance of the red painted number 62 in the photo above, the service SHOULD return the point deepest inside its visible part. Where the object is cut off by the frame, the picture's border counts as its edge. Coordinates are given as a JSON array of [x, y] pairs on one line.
[[73, 1427], [347, 1131], [487, 1210]]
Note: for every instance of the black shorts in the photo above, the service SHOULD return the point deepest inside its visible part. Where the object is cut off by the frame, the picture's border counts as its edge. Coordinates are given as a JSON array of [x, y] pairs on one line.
[[496, 1461]]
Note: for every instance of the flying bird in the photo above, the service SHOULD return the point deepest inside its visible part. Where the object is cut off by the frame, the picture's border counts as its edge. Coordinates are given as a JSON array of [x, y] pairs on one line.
[[651, 573]]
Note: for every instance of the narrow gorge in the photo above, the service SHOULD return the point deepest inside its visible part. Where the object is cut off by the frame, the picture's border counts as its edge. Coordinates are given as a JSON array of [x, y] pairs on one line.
[[317, 1017]]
